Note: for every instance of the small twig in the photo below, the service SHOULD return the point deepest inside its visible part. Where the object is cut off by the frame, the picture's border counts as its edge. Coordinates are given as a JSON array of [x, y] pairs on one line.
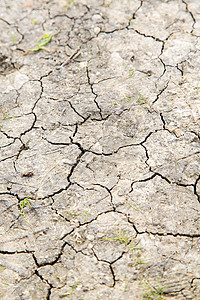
[[169, 257], [74, 55]]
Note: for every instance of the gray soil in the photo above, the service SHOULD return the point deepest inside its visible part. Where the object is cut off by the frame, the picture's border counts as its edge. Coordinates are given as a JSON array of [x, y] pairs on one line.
[[100, 149]]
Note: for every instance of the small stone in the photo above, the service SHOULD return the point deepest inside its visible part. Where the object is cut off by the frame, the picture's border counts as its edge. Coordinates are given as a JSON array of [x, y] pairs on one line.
[[178, 132], [97, 30]]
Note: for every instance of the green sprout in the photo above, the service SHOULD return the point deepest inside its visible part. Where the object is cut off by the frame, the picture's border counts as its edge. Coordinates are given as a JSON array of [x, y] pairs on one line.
[[153, 293], [134, 206], [70, 293], [5, 115], [121, 236], [14, 38], [141, 98], [138, 259], [86, 214], [135, 246], [43, 41], [131, 72], [197, 89], [69, 4], [23, 204], [2, 268], [72, 213]]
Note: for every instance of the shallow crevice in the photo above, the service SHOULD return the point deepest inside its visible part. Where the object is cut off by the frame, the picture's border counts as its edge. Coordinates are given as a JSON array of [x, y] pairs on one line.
[[135, 12], [32, 126], [109, 192], [50, 263], [160, 175], [92, 90], [163, 121], [109, 263], [16, 252], [149, 36], [45, 280], [187, 235], [41, 92], [75, 250], [56, 210], [72, 107], [142, 180], [160, 93], [191, 14], [195, 188]]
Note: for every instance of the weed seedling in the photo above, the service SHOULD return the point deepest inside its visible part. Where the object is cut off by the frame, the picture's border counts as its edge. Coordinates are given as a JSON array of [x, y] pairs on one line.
[[141, 98], [86, 214], [43, 41], [197, 89], [70, 213], [153, 293], [135, 246], [131, 72], [121, 236], [5, 115], [138, 259], [23, 204], [70, 293], [14, 38], [135, 207], [2, 268], [69, 4]]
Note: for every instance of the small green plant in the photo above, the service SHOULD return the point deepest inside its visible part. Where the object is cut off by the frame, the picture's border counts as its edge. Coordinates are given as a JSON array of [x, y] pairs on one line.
[[134, 206], [121, 236], [72, 213], [23, 204], [153, 293], [43, 41], [135, 246], [69, 4], [131, 72], [139, 261], [141, 99], [197, 89], [70, 293], [2, 268], [34, 21], [86, 214], [126, 287], [128, 98], [14, 38], [5, 115]]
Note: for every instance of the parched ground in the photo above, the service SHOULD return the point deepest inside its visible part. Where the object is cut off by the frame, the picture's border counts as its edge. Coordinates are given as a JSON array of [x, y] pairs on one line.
[[100, 149]]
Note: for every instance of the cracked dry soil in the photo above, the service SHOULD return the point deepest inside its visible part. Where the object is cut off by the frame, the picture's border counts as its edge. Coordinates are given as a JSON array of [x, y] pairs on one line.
[[100, 150]]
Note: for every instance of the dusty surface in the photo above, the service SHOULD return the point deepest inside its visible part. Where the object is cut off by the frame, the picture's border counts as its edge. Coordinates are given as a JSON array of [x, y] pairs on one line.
[[100, 150]]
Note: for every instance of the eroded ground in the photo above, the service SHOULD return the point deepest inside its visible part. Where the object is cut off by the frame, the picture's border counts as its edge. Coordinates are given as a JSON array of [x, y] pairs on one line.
[[100, 149]]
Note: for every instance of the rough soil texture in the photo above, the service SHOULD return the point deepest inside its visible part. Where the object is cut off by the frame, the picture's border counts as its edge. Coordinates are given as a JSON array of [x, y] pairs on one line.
[[100, 150]]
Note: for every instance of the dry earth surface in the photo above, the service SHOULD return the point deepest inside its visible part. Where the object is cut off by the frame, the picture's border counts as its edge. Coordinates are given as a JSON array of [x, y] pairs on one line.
[[100, 149]]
